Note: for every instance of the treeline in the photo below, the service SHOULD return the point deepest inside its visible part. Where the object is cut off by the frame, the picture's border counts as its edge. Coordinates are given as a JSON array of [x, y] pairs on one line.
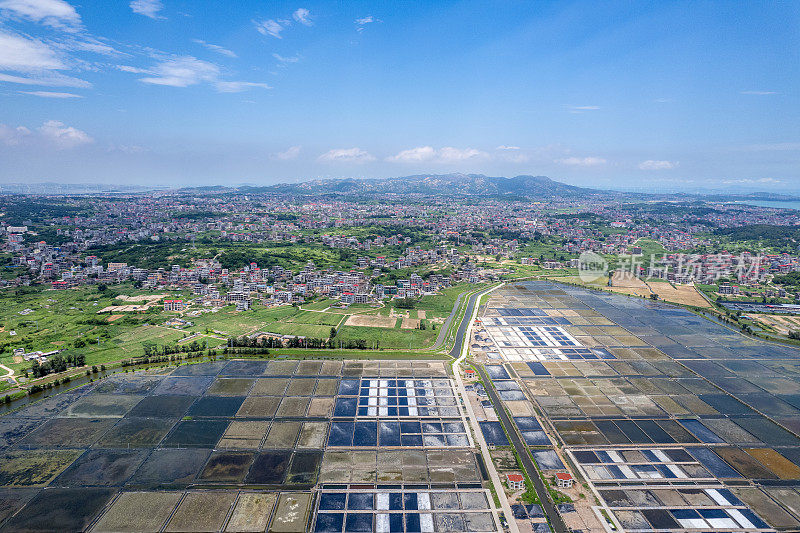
[[265, 343], [792, 278], [56, 363], [778, 236], [166, 358], [152, 349]]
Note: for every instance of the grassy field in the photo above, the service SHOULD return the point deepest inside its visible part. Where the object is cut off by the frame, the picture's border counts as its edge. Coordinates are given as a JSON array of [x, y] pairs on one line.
[[389, 338], [49, 320]]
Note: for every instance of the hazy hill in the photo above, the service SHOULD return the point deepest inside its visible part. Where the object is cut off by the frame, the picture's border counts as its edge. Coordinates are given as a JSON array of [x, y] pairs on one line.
[[435, 184]]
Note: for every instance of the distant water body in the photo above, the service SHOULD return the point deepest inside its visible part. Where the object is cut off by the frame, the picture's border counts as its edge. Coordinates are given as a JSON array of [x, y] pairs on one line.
[[790, 204]]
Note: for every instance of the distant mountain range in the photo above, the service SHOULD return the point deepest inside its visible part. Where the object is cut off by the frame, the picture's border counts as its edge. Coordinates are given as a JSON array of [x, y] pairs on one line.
[[454, 185], [438, 185]]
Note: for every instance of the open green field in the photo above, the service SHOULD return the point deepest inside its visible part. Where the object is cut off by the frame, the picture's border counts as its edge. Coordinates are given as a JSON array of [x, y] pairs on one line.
[[389, 338], [48, 320], [285, 319]]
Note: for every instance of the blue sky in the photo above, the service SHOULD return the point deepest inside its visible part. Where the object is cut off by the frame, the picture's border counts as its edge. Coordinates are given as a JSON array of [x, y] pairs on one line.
[[677, 95]]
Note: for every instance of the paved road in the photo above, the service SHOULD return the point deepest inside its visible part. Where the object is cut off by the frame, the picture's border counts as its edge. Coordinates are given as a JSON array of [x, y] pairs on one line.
[[444, 327], [556, 522], [476, 430], [465, 323]]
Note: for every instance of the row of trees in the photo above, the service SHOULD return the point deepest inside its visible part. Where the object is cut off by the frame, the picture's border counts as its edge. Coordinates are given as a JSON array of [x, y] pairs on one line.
[[264, 343], [56, 363], [153, 349]]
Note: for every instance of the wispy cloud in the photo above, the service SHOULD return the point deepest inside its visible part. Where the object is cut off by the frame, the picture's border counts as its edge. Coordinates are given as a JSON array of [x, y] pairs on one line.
[[285, 60], [303, 16], [49, 94], [215, 48], [758, 93], [363, 21], [774, 147], [28, 61], [752, 181], [185, 71], [652, 164], [504, 147], [346, 155], [239, 86], [428, 154], [50, 79], [182, 72], [290, 153], [11, 136], [269, 27], [53, 13], [148, 8], [582, 161], [583, 108], [21, 54]]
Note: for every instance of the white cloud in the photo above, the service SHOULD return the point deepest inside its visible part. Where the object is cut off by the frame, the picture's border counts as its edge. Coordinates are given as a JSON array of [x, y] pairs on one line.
[[363, 21], [48, 94], [414, 155], [186, 71], [447, 154], [54, 13], [290, 153], [269, 27], [133, 70], [758, 93], [582, 161], [21, 54], [50, 79], [64, 136], [583, 108], [347, 155], [759, 181], [303, 16], [215, 48], [148, 8], [13, 136], [284, 60], [182, 72], [239, 86], [33, 62], [651, 164], [504, 147]]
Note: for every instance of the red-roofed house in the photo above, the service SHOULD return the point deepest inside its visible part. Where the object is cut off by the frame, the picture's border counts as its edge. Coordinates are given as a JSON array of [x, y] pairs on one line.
[[516, 481], [564, 480]]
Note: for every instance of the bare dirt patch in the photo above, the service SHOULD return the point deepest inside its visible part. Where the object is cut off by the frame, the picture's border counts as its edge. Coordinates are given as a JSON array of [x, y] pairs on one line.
[[679, 294], [373, 321], [410, 323], [629, 284], [112, 318]]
